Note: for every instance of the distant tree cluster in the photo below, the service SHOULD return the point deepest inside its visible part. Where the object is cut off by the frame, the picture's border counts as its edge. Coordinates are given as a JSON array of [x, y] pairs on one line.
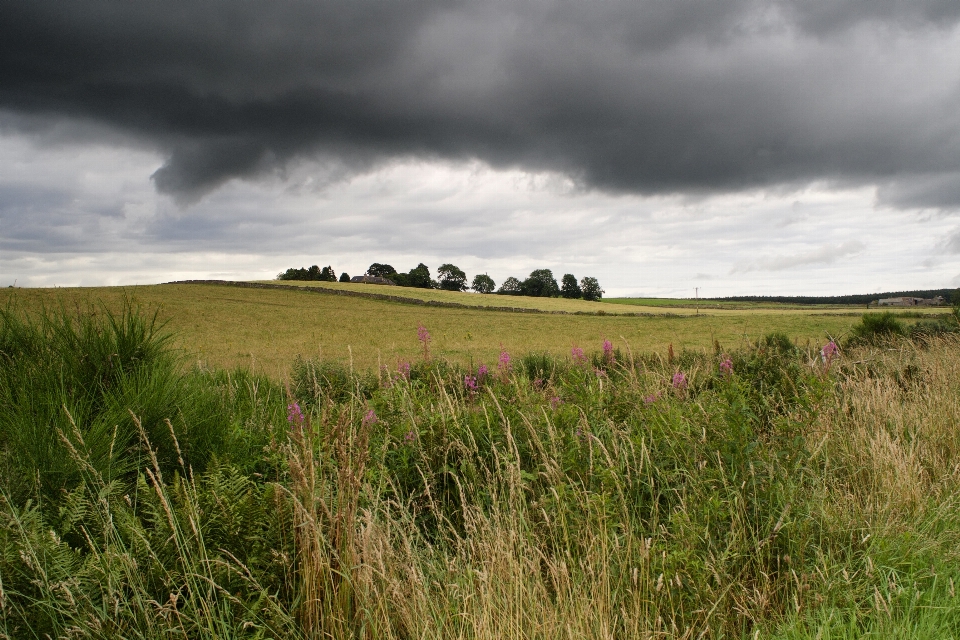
[[539, 284], [313, 273]]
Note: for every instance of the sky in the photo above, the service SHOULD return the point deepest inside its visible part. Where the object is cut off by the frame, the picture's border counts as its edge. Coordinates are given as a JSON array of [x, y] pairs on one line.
[[665, 147]]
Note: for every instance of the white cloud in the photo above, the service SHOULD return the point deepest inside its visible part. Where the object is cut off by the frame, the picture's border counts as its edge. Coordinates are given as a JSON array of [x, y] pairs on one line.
[[825, 254], [88, 214]]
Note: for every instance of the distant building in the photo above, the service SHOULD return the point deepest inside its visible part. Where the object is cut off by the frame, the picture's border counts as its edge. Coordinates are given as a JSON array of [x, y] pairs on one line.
[[372, 280], [911, 302]]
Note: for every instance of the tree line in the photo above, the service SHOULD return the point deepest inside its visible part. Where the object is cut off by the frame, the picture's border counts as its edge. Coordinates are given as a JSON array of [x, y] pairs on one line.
[[541, 283]]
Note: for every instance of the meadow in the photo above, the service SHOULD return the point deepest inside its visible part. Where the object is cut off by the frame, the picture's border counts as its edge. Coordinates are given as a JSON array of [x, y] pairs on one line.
[[225, 327], [759, 489]]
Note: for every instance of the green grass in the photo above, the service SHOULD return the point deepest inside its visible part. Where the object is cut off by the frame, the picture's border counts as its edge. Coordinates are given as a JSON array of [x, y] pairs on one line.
[[789, 498]]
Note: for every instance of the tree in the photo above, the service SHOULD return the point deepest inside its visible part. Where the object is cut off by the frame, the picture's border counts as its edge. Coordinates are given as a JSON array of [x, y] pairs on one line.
[[420, 277], [344, 277], [540, 284], [378, 270], [510, 287], [591, 289], [451, 278], [569, 287], [328, 275], [483, 284]]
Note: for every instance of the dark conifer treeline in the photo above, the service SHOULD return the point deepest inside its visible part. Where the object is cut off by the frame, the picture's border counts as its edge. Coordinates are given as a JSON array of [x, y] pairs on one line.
[[855, 299]]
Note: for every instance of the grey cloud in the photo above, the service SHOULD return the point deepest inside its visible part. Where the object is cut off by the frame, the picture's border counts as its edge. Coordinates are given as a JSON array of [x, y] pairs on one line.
[[649, 96], [952, 244], [826, 254], [936, 191]]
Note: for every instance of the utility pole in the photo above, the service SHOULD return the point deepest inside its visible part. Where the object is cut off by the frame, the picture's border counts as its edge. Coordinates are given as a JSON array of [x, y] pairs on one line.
[[696, 293]]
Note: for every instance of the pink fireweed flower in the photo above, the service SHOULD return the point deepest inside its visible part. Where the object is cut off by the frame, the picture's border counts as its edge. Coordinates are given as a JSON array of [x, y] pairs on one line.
[[504, 362], [555, 402], [650, 399], [409, 437], [369, 418], [679, 380], [726, 366], [295, 415], [403, 368], [424, 337], [482, 372], [607, 351], [577, 354], [470, 382], [829, 351]]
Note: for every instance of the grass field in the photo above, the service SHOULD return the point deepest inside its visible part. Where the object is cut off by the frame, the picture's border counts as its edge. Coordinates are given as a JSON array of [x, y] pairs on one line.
[[222, 326]]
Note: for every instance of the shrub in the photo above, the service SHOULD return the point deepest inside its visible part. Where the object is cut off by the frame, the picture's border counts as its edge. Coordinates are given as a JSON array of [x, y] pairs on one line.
[[876, 328]]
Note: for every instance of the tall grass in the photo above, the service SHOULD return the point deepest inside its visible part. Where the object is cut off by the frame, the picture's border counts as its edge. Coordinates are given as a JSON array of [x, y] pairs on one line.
[[602, 497]]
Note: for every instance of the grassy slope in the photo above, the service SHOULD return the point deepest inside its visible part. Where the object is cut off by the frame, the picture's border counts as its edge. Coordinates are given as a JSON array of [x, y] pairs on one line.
[[224, 326]]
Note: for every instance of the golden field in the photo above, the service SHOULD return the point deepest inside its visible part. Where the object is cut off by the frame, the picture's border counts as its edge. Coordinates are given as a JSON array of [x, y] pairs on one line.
[[224, 326]]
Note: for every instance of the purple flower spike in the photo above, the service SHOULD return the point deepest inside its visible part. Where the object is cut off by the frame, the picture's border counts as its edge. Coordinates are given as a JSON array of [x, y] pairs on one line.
[[504, 362], [679, 380], [555, 402], [726, 366], [470, 382], [295, 415], [577, 354], [369, 418], [422, 334], [607, 351], [482, 372], [829, 351]]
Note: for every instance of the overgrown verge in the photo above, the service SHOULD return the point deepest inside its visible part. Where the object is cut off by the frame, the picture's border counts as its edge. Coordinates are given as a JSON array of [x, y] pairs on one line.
[[771, 491]]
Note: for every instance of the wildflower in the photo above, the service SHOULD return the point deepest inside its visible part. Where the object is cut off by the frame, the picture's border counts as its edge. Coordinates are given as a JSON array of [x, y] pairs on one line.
[[295, 415], [370, 418], [403, 368], [726, 366], [424, 337], [577, 354], [650, 399], [607, 351], [538, 383], [470, 382], [679, 380], [555, 402], [482, 372], [504, 362], [409, 437], [829, 351]]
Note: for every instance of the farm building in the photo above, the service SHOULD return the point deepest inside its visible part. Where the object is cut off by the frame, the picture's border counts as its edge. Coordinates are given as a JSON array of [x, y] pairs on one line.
[[371, 280], [911, 302]]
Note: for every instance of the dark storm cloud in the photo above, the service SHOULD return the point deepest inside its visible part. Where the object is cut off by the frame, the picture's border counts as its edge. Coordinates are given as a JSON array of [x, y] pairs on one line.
[[643, 96]]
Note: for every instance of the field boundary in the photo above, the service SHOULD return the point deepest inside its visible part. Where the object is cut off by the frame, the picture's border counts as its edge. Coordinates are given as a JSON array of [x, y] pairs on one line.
[[417, 301]]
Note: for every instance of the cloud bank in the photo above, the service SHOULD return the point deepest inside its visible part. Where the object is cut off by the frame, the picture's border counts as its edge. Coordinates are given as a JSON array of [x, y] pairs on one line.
[[638, 96]]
